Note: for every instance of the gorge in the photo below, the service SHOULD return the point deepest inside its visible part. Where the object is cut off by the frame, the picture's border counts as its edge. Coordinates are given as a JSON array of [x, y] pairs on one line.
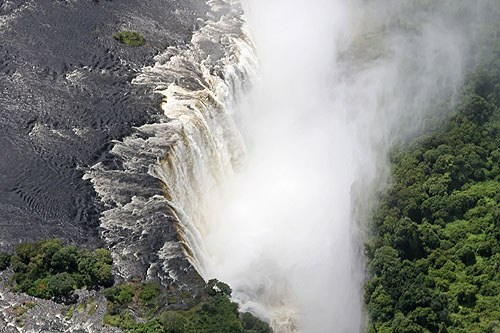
[[264, 164]]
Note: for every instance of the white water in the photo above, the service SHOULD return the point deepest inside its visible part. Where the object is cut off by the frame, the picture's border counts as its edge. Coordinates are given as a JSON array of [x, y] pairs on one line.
[[277, 215], [192, 147], [338, 85]]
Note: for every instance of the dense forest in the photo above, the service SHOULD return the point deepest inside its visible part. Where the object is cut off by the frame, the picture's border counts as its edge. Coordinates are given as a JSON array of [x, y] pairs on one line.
[[49, 270], [434, 251]]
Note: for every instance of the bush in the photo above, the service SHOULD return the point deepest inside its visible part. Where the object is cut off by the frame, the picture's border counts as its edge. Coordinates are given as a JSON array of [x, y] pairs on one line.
[[104, 256], [120, 295], [65, 260], [216, 287], [132, 38]]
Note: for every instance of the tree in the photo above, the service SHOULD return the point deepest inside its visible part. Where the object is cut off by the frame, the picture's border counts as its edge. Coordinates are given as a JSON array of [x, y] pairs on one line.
[[172, 322], [4, 261], [381, 305], [60, 284], [250, 322]]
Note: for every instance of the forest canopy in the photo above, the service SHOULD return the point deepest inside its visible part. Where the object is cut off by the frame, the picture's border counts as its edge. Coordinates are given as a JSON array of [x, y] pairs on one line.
[[434, 252], [47, 269]]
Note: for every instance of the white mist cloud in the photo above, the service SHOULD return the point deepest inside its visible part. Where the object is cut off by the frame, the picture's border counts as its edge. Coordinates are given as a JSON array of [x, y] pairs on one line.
[[340, 82]]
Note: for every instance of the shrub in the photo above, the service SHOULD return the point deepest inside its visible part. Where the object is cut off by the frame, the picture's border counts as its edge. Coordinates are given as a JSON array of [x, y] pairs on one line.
[[120, 295], [132, 38], [172, 321], [104, 256], [149, 292]]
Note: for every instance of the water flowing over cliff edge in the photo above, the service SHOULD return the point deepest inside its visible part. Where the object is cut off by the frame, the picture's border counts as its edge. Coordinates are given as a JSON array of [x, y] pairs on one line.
[[277, 214], [154, 198]]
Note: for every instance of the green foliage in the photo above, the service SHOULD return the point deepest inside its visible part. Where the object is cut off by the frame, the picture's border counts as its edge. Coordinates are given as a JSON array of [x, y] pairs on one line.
[[149, 292], [60, 284], [435, 250], [132, 38], [104, 256], [4, 261], [252, 323], [68, 312], [213, 313], [48, 269], [215, 287], [172, 321]]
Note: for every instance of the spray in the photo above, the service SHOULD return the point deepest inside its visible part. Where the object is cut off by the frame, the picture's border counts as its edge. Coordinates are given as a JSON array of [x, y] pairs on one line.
[[340, 82]]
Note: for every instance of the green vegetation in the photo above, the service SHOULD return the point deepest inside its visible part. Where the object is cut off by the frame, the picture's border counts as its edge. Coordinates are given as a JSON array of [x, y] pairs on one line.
[[68, 312], [48, 269], [81, 307], [92, 307], [19, 310], [4, 261], [132, 38], [435, 249], [251, 324], [29, 304], [141, 307]]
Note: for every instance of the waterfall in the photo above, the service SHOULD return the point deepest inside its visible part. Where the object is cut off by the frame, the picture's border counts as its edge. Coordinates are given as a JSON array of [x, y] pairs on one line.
[[192, 147], [339, 83], [208, 146], [268, 190]]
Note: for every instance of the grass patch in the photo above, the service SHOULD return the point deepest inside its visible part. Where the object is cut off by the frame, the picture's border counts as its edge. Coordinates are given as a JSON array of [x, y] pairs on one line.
[[81, 307], [19, 322], [29, 304], [92, 309], [68, 312], [19, 310], [92, 306], [111, 320], [173, 299]]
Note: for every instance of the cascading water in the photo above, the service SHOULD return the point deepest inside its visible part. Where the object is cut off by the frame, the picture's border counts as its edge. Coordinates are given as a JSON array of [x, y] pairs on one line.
[[275, 212], [193, 146], [339, 84], [207, 144]]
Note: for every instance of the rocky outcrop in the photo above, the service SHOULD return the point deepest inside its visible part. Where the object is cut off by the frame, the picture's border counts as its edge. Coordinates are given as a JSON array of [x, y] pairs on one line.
[[24, 313]]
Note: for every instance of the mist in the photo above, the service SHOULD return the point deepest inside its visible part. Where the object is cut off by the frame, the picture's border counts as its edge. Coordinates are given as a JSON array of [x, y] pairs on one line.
[[339, 83]]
